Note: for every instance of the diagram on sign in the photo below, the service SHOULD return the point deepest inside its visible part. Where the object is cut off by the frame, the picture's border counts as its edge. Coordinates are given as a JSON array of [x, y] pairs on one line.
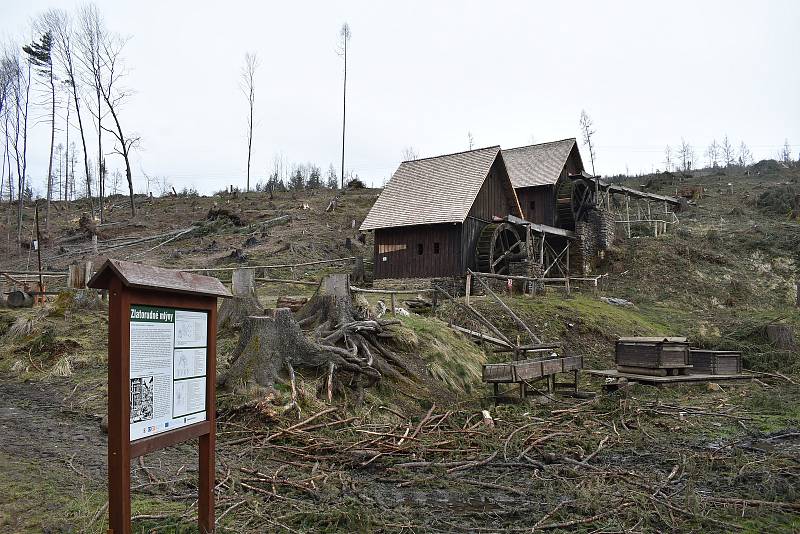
[[190, 329]]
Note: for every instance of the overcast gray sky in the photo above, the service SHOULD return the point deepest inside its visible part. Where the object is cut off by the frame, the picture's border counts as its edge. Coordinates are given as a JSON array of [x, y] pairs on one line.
[[423, 74]]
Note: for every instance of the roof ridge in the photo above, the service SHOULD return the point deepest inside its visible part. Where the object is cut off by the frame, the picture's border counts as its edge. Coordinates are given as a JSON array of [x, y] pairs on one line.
[[451, 154], [545, 143]]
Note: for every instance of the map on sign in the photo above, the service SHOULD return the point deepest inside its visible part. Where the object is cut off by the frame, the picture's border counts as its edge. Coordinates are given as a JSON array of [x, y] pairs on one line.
[[168, 355]]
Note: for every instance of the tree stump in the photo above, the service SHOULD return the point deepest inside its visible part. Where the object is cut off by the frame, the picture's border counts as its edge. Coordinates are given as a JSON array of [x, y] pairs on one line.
[[329, 336], [244, 303], [781, 336], [79, 275], [358, 276]]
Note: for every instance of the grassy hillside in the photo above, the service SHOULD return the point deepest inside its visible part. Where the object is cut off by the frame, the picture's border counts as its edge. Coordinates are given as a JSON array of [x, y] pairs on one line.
[[647, 459]]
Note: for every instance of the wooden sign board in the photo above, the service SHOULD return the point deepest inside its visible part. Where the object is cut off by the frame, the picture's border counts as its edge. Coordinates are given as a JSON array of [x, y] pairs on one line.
[[161, 374]]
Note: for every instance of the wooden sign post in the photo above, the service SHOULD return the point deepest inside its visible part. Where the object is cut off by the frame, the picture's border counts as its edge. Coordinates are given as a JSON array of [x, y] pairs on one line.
[[162, 353]]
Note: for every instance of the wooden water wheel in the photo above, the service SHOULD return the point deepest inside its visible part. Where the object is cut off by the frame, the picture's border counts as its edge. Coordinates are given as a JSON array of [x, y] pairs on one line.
[[498, 245], [583, 198]]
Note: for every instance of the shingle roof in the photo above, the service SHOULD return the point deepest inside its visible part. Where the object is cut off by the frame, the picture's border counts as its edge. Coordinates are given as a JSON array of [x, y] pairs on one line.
[[434, 190], [541, 164]]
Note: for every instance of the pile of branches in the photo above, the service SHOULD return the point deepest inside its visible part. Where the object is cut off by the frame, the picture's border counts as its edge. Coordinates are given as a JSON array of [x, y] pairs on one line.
[[615, 465]]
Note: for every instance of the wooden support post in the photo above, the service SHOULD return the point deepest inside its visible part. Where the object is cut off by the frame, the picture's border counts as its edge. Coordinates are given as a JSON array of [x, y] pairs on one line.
[[522, 390], [468, 288], [394, 303], [566, 274], [577, 375], [39, 298], [628, 213]]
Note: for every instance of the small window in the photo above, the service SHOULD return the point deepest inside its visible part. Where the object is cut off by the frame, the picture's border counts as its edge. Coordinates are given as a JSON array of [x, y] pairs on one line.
[[436, 248], [383, 249], [533, 205], [419, 249]]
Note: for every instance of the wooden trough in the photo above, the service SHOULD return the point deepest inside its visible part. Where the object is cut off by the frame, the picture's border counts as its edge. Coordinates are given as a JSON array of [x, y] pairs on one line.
[[524, 371], [715, 362], [653, 356]]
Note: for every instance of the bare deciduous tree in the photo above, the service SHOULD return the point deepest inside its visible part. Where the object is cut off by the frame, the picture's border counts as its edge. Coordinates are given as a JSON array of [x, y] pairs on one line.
[[409, 154], [745, 156], [786, 152], [727, 152], [713, 154], [92, 37], [102, 56], [20, 89], [344, 40], [668, 158], [685, 155], [248, 85], [587, 131], [61, 26]]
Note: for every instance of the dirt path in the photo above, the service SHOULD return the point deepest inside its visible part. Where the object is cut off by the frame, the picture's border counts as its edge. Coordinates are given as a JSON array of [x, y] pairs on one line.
[[34, 427]]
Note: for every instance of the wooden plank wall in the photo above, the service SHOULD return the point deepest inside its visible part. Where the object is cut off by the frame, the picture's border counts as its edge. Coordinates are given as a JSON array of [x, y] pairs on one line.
[[408, 263], [543, 210]]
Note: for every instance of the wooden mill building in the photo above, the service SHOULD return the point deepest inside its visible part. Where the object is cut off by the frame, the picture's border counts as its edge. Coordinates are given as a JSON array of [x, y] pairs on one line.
[[541, 177], [428, 219]]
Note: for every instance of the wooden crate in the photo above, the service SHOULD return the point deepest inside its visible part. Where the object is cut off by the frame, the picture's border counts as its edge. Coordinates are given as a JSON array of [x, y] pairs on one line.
[[527, 370], [715, 362], [652, 352], [498, 372]]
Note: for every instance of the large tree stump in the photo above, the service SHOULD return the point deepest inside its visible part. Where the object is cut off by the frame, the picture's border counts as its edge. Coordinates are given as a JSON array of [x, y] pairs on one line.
[[79, 275], [244, 303], [781, 336], [327, 336]]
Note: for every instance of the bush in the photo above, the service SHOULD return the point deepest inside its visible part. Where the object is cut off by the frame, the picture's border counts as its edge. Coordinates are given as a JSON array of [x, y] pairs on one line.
[[779, 200], [356, 183]]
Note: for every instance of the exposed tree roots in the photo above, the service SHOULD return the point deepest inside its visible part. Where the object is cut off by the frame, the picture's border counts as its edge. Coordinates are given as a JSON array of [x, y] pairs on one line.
[[328, 335]]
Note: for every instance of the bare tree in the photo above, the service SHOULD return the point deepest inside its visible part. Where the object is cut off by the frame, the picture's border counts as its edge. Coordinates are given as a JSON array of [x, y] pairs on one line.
[[587, 131], [249, 90], [40, 56], [409, 154], [713, 154], [745, 156], [20, 87], [727, 152], [102, 55], [668, 158], [786, 152], [60, 24], [685, 155], [344, 39], [91, 38], [5, 163]]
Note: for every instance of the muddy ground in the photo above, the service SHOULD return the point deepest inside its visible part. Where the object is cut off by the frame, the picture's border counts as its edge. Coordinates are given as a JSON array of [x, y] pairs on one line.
[[639, 461]]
